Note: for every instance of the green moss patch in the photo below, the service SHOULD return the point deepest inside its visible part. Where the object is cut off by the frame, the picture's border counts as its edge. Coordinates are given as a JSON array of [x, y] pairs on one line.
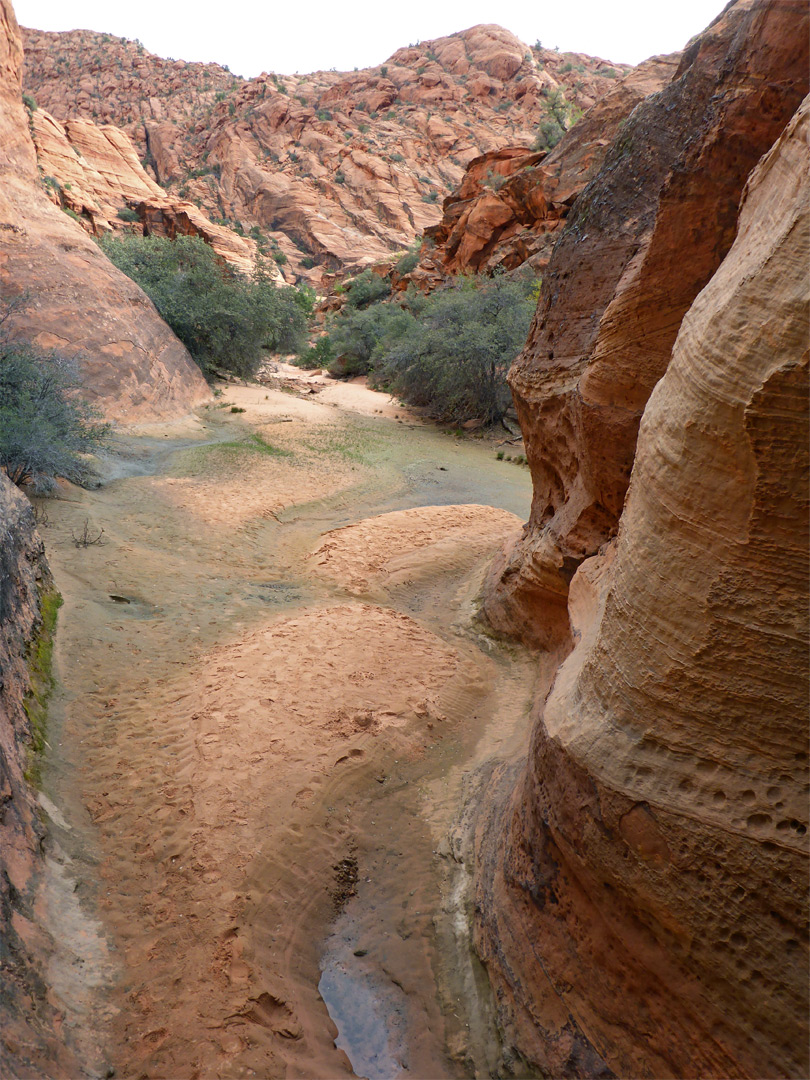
[[40, 673]]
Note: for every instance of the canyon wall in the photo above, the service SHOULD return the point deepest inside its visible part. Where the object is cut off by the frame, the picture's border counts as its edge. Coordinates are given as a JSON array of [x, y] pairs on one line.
[[131, 364], [642, 239], [30, 1015], [642, 883], [513, 201], [94, 173]]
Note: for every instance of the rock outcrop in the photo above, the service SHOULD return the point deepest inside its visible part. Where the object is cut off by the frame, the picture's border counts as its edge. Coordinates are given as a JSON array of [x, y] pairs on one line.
[[326, 171], [641, 241], [133, 366], [642, 896], [28, 1046], [512, 202], [94, 172]]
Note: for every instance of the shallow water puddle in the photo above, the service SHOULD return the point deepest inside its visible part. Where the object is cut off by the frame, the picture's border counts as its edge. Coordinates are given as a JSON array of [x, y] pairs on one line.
[[366, 1035]]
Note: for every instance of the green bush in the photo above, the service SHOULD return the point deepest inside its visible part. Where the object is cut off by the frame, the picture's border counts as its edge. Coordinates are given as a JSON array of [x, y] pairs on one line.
[[359, 339], [319, 355], [454, 356], [224, 320], [558, 119], [126, 213], [46, 427], [409, 260], [448, 352], [365, 289]]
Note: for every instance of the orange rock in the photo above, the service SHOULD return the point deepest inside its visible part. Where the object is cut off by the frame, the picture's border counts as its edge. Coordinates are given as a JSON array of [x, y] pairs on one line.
[[282, 153], [133, 365], [510, 202], [30, 1042], [643, 889], [637, 248]]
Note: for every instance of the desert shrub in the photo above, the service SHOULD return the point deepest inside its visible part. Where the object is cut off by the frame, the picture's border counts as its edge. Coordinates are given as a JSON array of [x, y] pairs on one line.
[[409, 260], [453, 357], [359, 338], [126, 213], [319, 355], [365, 289], [559, 116], [448, 352], [225, 320], [46, 427]]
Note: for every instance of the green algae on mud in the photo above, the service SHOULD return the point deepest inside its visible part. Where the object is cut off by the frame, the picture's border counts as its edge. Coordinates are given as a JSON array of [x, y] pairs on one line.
[[210, 823], [41, 681]]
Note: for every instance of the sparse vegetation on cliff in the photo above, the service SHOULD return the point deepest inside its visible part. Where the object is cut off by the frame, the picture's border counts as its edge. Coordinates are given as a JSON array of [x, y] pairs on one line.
[[226, 321]]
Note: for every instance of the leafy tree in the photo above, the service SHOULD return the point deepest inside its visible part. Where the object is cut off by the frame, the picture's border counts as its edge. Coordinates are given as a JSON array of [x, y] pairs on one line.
[[46, 427], [454, 357], [225, 320], [448, 352]]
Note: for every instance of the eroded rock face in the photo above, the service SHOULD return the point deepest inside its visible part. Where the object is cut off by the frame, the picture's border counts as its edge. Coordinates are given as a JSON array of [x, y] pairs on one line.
[[95, 172], [641, 241], [338, 170], [644, 894], [133, 365], [29, 1046], [512, 201]]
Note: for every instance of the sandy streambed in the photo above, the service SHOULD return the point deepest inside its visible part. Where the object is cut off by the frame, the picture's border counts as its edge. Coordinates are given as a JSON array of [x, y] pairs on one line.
[[269, 696]]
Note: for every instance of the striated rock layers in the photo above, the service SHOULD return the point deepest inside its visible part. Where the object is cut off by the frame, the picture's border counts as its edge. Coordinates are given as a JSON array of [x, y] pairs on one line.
[[332, 170], [28, 1046], [641, 241], [511, 203], [94, 172], [643, 898], [132, 365]]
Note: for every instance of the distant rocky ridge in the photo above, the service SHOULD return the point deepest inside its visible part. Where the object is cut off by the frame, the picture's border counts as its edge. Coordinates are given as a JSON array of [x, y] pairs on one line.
[[330, 170]]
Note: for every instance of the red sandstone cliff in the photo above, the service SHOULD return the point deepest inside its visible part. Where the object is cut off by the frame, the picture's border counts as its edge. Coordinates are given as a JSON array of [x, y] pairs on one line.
[[30, 1015], [133, 365], [641, 891], [94, 172], [513, 201], [642, 240], [331, 169], [648, 908]]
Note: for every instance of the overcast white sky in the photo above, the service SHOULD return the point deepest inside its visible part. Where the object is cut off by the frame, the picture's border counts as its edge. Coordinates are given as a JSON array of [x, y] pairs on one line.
[[308, 35]]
